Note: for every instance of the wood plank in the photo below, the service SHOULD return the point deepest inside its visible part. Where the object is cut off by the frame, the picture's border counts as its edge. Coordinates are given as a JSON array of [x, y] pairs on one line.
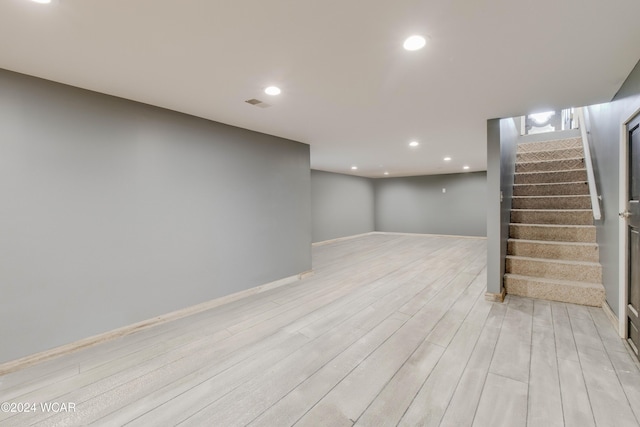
[[513, 351], [447, 327], [255, 398], [545, 403], [296, 403], [629, 376], [503, 403], [293, 405], [608, 400], [392, 329], [348, 400], [565, 344], [389, 406], [431, 401], [576, 406], [465, 400], [362, 321]]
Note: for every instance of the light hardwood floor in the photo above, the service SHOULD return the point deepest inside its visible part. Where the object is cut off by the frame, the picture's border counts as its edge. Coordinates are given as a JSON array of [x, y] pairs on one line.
[[391, 330]]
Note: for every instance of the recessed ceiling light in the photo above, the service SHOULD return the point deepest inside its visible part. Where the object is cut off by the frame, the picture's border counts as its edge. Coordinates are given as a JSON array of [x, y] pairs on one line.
[[272, 90], [353, 168], [414, 144], [447, 159], [414, 43], [42, 1], [386, 173], [465, 167]]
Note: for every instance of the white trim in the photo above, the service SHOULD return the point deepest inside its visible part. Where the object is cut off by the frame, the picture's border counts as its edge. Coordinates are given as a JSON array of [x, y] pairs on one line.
[[429, 235], [371, 233], [593, 191], [623, 298], [32, 359], [339, 239], [611, 316]]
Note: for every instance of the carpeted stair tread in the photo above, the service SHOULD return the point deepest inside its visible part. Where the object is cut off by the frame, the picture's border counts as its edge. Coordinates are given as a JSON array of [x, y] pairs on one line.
[[552, 216], [575, 292], [583, 271], [550, 144], [542, 177], [555, 261], [570, 202], [552, 249], [578, 188], [553, 154], [553, 232], [550, 165], [549, 242]]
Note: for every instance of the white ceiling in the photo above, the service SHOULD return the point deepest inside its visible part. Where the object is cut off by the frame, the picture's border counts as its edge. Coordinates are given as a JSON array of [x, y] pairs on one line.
[[349, 89]]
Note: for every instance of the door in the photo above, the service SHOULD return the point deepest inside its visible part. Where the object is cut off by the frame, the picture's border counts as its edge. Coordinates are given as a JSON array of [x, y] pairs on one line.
[[632, 214]]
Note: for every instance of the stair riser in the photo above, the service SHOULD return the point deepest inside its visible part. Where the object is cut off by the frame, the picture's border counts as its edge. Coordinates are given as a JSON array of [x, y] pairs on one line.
[[553, 234], [550, 145], [552, 217], [569, 189], [554, 292], [550, 177], [535, 156], [553, 270], [581, 202], [552, 165], [588, 253]]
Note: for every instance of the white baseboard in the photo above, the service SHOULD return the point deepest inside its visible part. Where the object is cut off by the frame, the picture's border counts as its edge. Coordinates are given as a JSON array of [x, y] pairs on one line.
[[370, 233], [339, 239], [611, 316], [15, 365], [429, 235]]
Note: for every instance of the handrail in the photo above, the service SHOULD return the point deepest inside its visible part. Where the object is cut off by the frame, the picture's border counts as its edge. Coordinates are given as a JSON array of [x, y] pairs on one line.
[[595, 200]]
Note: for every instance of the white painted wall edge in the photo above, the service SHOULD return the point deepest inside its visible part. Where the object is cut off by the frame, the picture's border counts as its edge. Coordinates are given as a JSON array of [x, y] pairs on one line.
[[32, 359]]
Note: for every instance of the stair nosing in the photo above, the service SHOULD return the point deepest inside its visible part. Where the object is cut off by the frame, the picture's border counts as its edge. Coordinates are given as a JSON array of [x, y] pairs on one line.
[[551, 140], [554, 225], [552, 196], [556, 261], [551, 160], [563, 170], [549, 151], [552, 242], [551, 210], [553, 183]]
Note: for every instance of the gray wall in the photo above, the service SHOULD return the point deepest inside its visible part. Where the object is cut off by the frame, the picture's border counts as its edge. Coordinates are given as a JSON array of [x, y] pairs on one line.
[[114, 212], [341, 205], [605, 122], [502, 143], [417, 204]]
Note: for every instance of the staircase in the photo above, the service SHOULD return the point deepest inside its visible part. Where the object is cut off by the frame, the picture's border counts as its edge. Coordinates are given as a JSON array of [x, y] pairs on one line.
[[552, 252]]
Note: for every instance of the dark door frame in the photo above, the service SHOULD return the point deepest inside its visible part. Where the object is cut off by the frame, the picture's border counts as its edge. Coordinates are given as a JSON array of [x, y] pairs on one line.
[[631, 217], [623, 297]]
